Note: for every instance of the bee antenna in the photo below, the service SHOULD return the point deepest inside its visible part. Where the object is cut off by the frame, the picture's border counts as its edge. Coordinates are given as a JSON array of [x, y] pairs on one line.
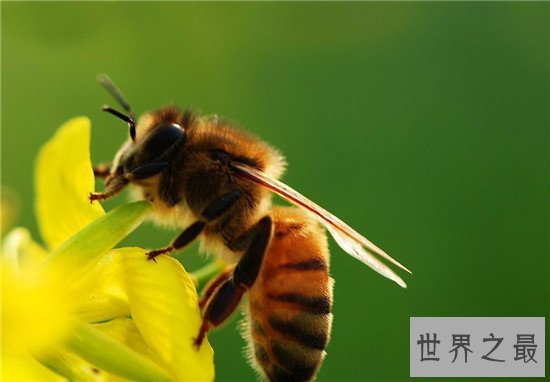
[[128, 119], [106, 81]]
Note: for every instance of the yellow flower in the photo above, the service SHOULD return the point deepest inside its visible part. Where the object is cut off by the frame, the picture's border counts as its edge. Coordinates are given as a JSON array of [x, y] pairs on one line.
[[80, 310]]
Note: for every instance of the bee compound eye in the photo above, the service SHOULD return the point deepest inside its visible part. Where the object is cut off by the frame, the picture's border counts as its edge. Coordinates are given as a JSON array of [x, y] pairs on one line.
[[163, 140]]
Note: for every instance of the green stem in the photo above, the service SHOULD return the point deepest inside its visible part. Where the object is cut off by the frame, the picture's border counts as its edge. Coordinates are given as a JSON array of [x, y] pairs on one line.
[[69, 366], [202, 275], [112, 356], [72, 257]]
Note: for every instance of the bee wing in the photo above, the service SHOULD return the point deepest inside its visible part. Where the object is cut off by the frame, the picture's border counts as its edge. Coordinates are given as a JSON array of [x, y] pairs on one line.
[[347, 238]]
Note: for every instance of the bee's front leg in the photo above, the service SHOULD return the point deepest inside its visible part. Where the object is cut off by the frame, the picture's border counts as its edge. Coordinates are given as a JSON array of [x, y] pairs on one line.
[[116, 182], [113, 186]]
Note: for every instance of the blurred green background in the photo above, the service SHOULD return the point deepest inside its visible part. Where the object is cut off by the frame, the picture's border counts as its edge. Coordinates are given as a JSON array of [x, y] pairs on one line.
[[423, 125]]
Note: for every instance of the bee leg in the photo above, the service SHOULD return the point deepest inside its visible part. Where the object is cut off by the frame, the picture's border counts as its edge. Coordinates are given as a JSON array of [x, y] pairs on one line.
[[113, 186], [186, 237], [213, 284], [248, 267], [102, 170], [148, 170], [227, 296], [223, 302], [211, 212], [220, 205]]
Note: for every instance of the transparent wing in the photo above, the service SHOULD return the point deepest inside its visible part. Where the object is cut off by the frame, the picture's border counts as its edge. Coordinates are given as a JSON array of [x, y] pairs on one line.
[[347, 238]]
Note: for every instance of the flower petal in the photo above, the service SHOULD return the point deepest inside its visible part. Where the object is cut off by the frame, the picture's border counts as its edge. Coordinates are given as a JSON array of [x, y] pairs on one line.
[[25, 368], [124, 330], [34, 314], [20, 252], [100, 295], [64, 180], [164, 307]]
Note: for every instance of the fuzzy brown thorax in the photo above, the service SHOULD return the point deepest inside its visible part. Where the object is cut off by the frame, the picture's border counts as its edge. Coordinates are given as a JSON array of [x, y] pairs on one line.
[[198, 171]]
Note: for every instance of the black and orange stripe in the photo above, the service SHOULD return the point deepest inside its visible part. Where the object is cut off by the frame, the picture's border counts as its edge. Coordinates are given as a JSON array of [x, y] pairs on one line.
[[290, 304]]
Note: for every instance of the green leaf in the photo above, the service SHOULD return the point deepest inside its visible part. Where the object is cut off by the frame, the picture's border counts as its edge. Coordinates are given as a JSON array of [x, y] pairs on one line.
[[112, 356], [70, 366], [72, 257]]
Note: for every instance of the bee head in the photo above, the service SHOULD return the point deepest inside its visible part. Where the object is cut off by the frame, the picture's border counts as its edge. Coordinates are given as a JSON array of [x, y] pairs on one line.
[[152, 143]]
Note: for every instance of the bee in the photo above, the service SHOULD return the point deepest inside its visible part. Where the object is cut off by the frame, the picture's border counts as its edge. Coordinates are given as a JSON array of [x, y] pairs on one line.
[[215, 181]]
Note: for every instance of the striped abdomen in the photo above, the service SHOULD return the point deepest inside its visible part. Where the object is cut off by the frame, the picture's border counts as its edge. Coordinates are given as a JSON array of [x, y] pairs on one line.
[[290, 302]]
